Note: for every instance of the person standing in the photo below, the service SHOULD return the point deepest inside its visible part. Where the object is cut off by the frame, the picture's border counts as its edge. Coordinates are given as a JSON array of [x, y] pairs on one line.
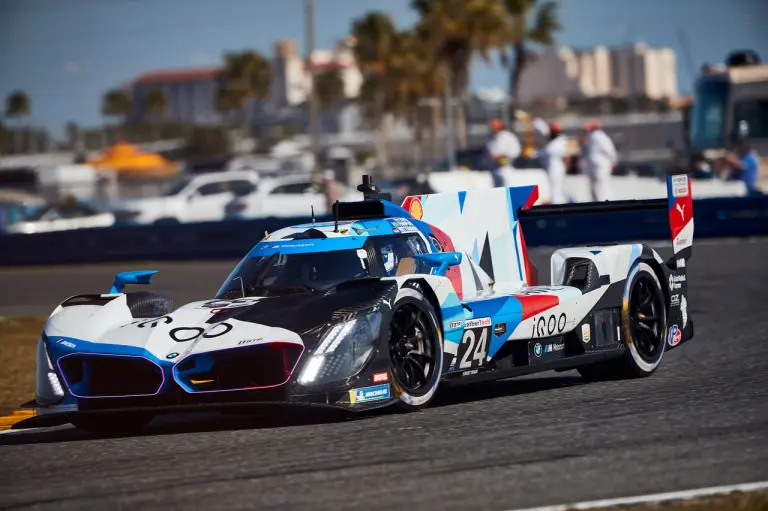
[[600, 157], [745, 164], [552, 159], [503, 148]]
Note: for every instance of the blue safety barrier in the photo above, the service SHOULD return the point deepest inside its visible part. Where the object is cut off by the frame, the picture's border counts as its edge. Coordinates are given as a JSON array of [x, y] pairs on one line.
[[720, 217]]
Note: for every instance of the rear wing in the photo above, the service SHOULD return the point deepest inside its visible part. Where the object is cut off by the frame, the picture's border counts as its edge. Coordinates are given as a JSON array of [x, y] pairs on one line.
[[678, 204]]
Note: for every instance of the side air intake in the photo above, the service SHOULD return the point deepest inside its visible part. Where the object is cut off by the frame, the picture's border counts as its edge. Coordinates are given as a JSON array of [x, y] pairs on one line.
[[582, 273]]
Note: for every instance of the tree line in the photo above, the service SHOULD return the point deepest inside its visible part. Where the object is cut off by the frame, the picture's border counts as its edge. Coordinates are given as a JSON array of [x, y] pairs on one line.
[[400, 67]]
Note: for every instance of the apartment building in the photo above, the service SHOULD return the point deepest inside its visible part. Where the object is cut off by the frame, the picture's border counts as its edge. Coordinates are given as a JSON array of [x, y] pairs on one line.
[[190, 93], [573, 74]]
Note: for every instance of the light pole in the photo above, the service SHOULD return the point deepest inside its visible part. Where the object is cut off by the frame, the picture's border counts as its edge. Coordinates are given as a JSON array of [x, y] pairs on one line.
[[309, 19]]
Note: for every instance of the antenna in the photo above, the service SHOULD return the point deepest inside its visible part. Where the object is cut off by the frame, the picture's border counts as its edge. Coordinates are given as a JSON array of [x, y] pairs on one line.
[[312, 207], [336, 216]]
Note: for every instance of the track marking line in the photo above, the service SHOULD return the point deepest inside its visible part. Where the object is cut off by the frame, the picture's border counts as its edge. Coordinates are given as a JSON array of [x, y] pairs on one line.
[[654, 498], [17, 416]]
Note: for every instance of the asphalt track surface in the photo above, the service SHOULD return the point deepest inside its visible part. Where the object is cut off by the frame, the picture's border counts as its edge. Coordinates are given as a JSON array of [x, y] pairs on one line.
[[701, 420]]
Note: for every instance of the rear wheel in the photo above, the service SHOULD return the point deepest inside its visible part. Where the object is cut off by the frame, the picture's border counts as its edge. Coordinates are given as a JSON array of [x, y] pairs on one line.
[[644, 327], [415, 349]]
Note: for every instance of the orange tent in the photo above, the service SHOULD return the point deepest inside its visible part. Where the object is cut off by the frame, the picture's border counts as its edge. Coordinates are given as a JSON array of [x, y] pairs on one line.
[[125, 158]]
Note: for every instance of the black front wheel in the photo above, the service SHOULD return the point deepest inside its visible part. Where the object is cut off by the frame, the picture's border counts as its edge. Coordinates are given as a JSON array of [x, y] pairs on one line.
[[415, 349]]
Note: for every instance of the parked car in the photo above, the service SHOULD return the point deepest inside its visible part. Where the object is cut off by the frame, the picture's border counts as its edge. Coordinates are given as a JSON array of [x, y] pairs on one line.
[[287, 196], [198, 198], [61, 217]]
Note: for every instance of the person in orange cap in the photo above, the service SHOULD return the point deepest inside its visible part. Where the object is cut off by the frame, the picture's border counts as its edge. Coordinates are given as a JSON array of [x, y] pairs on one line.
[[599, 156], [551, 157], [502, 148]]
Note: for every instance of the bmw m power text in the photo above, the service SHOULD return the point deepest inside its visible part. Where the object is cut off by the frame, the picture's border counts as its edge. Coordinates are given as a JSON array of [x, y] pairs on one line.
[[386, 305]]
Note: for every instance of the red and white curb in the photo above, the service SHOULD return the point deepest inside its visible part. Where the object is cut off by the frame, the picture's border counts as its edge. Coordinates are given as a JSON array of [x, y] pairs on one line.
[[654, 498]]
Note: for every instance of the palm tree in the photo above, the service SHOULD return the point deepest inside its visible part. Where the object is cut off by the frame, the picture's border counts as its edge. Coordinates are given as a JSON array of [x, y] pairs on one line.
[[17, 106], [542, 31], [330, 88], [116, 103], [457, 30], [156, 105], [375, 36], [245, 76]]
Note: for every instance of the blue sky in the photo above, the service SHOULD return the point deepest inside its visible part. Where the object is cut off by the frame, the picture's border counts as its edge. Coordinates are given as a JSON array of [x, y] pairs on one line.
[[66, 53]]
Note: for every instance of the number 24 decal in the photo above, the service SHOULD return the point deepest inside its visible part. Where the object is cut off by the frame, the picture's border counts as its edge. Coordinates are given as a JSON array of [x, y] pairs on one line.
[[477, 348]]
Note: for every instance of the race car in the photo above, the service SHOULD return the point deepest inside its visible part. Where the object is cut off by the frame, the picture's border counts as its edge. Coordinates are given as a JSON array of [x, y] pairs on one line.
[[382, 306]]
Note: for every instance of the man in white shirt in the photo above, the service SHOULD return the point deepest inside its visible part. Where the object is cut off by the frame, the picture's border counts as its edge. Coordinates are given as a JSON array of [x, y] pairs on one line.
[[600, 157], [551, 158], [503, 148]]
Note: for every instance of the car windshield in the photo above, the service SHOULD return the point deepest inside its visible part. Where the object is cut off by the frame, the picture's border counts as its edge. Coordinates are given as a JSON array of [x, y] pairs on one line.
[[177, 186], [708, 119], [294, 273], [35, 214]]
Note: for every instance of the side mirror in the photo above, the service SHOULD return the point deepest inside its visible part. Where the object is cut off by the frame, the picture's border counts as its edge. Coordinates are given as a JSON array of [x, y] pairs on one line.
[[441, 260]]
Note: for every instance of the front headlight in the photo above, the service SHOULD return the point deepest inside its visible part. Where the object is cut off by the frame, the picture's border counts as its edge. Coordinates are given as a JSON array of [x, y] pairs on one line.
[[48, 387], [343, 350]]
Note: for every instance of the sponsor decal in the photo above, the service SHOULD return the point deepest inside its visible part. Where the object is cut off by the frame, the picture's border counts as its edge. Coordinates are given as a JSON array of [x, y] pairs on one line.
[[249, 341], [675, 336], [537, 349], [65, 343], [549, 325], [674, 300], [681, 209], [185, 334], [500, 329], [403, 224], [375, 393], [470, 372], [539, 290], [477, 323], [360, 230], [396, 230], [171, 356], [586, 333], [680, 186], [674, 281], [380, 377], [680, 263], [293, 245], [681, 241], [229, 304], [684, 310], [453, 325], [152, 323], [551, 348]]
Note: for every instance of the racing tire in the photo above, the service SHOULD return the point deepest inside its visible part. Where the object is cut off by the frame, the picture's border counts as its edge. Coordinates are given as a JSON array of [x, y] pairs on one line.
[[415, 347], [644, 329], [146, 304], [113, 425]]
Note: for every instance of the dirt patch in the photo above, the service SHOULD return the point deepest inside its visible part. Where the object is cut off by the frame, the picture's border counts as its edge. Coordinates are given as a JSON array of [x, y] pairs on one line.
[[18, 343]]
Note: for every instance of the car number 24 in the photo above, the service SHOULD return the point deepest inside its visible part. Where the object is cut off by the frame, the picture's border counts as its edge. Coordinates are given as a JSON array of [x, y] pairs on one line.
[[473, 348]]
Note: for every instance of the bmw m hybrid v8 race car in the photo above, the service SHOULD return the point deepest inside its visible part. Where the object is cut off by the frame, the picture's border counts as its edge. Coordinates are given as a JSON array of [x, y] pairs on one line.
[[380, 307]]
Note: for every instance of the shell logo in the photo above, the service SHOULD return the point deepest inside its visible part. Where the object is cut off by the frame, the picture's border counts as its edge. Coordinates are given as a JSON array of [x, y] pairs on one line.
[[414, 207]]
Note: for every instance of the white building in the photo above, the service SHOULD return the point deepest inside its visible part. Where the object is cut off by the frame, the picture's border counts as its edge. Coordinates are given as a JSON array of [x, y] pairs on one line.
[[565, 73], [291, 80]]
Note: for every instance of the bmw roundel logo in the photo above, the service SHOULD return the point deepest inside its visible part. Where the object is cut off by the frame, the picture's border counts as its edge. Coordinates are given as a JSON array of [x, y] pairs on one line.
[[171, 355], [537, 349]]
